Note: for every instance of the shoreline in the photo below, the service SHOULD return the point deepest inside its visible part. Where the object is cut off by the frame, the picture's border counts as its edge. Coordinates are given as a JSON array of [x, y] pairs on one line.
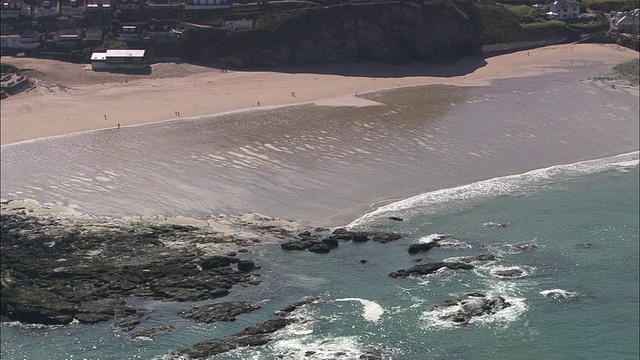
[[278, 161], [42, 112]]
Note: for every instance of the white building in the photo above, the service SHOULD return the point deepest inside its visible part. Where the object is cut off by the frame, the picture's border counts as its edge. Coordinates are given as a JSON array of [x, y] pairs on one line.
[[119, 60], [565, 9]]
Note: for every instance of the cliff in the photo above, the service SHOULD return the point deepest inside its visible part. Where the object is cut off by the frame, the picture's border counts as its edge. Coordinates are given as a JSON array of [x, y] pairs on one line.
[[388, 32]]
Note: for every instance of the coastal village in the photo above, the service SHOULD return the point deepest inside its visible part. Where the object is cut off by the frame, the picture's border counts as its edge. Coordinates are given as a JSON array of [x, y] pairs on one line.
[[75, 28]]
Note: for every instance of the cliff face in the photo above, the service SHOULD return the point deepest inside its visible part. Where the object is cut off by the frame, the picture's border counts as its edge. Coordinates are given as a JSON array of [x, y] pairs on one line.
[[387, 32]]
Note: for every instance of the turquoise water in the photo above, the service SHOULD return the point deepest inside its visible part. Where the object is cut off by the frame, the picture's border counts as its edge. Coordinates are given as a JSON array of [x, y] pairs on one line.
[[578, 299]]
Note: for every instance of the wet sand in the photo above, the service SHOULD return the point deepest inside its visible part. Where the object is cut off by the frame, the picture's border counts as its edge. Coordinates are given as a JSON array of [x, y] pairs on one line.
[[327, 165]]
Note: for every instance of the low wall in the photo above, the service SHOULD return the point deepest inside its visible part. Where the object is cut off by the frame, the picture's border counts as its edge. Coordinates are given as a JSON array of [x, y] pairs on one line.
[[505, 48]]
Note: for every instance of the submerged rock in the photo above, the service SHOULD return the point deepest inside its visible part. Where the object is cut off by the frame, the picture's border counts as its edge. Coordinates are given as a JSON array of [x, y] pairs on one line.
[[151, 332], [491, 224], [430, 268], [224, 311], [461, 310], [416, 248]]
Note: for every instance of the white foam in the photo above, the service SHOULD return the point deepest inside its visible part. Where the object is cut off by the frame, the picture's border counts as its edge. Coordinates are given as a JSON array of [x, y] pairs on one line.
[[432, 238], [439, 200], [558, 293], [372, 311]]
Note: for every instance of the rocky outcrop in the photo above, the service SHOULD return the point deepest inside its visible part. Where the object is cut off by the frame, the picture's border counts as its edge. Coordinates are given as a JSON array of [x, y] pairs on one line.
[[430, 268], [224, 311], [254, 335], [461, 310], [322, 241], [393, 32], [52, 273], [152, 332]]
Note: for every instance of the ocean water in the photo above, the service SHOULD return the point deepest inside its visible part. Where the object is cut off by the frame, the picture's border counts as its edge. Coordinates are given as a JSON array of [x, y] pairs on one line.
[[577, 299], [576, 224]]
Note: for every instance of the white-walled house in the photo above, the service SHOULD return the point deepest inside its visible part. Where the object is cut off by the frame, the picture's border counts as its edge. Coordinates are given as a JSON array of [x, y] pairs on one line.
[[565, 9]]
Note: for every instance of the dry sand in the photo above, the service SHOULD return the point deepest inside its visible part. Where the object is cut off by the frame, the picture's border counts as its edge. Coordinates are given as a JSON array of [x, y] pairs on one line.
[[70, 98]]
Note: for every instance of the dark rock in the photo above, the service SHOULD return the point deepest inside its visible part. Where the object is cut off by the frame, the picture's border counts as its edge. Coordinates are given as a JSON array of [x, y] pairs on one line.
[[417, 260], [224, 311], [512, 273], [395, 218], [363, 261], [231, 254], [296, 245], [216, 261], [430, 268], [416, 248], [151, 332], [55, 272], [292, 307], [246, 265], [130, 322], [383, 238], [319, 248], [331, 242], [255, 335], [477, 258], [472, 305]]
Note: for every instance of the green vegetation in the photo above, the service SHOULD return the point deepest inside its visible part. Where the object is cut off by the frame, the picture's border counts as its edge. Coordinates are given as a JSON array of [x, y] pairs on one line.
[[628, 72], [610, 5], [501, 24], [591, 25], [525, 13]]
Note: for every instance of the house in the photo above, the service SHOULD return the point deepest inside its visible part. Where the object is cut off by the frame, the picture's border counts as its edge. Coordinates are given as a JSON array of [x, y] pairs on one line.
[[31, 37], [131, 5], [239, 24], [129, 33], [93, 35], [10, 41], [11, 9], [629, 23], [67, 38], [98, 5], [206, 4], [119, 60], [72, 8], [161, 31], [45, 8], [29, 40], [564, 9]]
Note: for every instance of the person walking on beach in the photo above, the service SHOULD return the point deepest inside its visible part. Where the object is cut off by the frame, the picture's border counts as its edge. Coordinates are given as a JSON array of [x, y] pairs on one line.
[[118, 125], [105, 117]]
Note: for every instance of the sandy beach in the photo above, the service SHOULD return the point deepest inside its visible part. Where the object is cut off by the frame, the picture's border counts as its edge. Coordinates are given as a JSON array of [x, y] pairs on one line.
[[322, 164], [70, 98]]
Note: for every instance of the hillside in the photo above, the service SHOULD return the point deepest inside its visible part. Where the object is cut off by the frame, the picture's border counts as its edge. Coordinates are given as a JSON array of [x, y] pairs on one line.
[[388, 32]]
